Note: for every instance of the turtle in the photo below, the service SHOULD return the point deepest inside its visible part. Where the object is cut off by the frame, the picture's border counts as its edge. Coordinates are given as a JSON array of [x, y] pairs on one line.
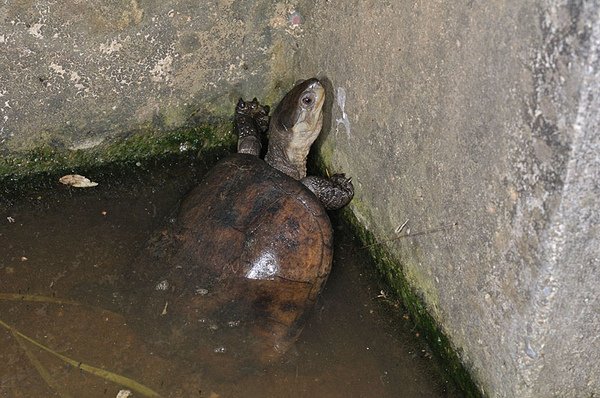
[[252, 243]]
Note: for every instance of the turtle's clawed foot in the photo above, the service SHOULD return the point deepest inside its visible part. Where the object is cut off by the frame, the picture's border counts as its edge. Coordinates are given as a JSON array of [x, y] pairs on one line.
[[255, 111], [334, 193], [251, 120], [343, 183]]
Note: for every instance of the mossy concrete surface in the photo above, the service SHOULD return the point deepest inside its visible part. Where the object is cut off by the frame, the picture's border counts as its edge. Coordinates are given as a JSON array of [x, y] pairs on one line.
[[389, 267], [471, 131], [80, 74], [40, 168]]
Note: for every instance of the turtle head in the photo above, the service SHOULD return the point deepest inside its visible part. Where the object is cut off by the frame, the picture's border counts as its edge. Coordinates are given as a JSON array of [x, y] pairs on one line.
[[300, 111], [295, 125]]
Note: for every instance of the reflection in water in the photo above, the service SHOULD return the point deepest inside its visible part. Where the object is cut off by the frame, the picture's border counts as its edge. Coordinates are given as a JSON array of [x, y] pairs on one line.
[[76, 245]]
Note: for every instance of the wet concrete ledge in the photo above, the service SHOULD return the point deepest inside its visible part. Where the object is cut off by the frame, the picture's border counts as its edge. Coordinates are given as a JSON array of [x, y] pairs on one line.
[[473, 124]]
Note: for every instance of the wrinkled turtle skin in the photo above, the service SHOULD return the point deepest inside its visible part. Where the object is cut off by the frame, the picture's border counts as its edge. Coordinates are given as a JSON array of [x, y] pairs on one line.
[[251, 248]]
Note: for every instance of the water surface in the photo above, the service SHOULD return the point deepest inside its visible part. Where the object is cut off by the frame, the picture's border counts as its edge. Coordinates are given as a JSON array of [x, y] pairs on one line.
[[69, 248]]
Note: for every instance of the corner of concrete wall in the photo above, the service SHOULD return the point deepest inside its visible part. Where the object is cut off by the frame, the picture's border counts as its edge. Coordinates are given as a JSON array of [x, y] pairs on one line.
[[473, 125]]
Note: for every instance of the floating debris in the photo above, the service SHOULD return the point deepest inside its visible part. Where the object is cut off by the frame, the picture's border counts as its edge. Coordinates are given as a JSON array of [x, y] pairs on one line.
[[162, 285], [77, 181], [233, 324]]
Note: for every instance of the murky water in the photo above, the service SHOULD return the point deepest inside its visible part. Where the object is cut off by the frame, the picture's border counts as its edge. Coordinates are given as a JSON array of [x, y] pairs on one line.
[[63, 253]]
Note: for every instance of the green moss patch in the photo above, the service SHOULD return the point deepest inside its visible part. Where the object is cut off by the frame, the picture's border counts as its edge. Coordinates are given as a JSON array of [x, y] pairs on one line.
[[31, 171]]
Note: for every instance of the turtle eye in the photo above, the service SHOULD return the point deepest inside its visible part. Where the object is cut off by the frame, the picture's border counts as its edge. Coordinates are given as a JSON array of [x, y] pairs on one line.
[[308, 100]]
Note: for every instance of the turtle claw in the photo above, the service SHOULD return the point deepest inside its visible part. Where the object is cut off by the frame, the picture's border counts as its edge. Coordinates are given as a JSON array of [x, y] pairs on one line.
[[342, 182], [253, 111], [334, 193]]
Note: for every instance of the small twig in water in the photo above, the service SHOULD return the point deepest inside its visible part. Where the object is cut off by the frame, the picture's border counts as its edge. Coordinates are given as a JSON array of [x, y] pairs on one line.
[[42, 371], [105, 374], [35, 298]]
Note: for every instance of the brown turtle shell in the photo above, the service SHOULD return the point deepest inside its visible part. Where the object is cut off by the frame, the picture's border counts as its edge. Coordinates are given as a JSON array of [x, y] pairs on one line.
[[248, 220], [253, 248]]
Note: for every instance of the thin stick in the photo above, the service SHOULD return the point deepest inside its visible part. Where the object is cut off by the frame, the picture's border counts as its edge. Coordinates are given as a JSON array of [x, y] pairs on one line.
[[42, 371], [426, 232], [105, 374], [35, 298]]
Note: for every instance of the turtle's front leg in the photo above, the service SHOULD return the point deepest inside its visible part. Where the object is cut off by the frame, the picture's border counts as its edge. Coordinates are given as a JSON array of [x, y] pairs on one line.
[[334, 193], [251, 120]]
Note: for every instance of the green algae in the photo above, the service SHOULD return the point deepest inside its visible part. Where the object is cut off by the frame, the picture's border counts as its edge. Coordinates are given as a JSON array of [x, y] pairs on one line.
[[391, 269], [32, 170], [137, 146]]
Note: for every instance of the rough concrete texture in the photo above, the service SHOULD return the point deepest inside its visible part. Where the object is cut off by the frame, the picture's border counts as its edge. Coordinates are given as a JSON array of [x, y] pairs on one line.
[[77, 73], [480, 113], [484, 114]]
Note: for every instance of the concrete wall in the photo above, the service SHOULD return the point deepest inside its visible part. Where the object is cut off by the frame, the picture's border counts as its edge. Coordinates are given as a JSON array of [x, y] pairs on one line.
[[485, 114], [74, 74], [480, 113]]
